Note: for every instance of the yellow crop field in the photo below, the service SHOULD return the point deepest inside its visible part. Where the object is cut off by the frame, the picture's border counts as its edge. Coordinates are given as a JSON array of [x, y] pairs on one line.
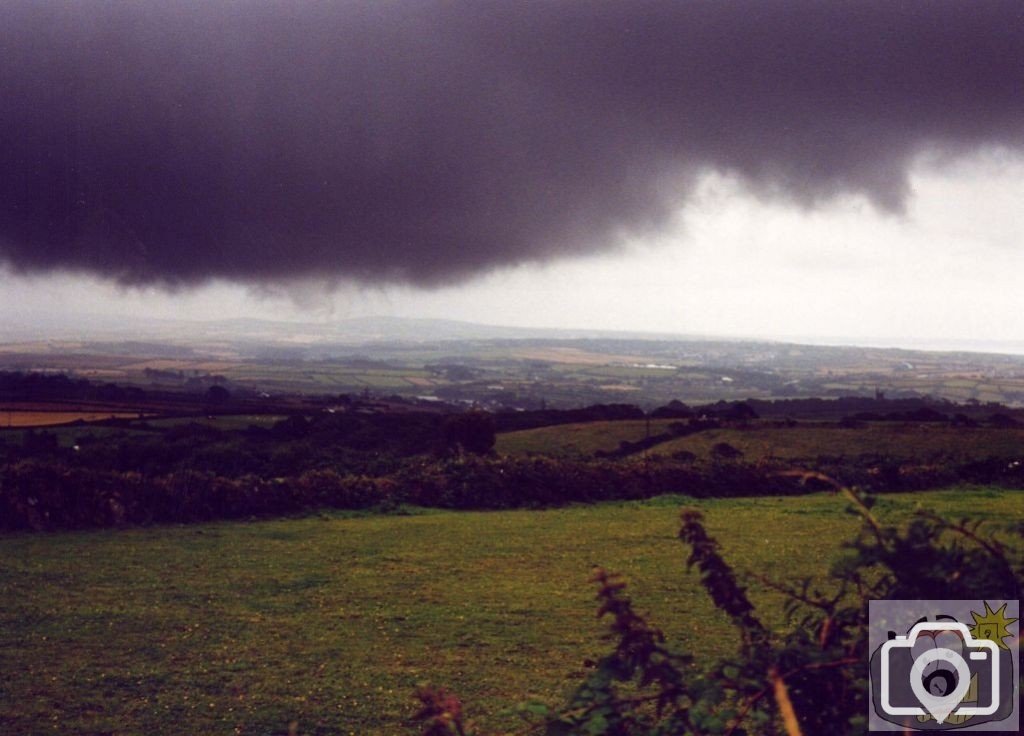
[[51, 418]]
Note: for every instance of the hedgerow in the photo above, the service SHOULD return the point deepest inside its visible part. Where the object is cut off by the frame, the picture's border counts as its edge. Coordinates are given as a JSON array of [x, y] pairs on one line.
[[43, 493]]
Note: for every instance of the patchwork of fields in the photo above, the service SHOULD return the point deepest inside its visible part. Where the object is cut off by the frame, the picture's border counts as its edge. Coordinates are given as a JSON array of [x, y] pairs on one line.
[[525, 373], [330, 621]]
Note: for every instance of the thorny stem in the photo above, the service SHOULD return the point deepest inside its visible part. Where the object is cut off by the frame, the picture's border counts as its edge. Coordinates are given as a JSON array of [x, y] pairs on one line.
[[824, 604], [777, 678], [805, 475], [789, 718], [996, 549], [865, 512]]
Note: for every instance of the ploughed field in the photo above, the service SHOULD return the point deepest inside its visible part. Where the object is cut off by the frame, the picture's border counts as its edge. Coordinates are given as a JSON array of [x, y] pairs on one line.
[[330, 621]]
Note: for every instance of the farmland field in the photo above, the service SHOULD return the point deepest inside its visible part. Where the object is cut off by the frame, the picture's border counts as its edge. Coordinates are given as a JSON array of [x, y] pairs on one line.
[[50, 418], [584, 438], [804, 441], [903, 441], [330, 621], [521, 373]]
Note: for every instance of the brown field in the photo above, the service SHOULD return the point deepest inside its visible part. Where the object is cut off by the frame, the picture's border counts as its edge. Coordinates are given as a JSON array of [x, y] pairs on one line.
[[160, 364], [51, 418], [103, 373], [178, 364], [420, 381], [214, 366], [91, 407], [573, 355], [19, 347]]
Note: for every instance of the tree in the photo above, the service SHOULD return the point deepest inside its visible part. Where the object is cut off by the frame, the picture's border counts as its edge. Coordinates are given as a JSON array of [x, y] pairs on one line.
[[217, 395], [471, 431], [725, 451]]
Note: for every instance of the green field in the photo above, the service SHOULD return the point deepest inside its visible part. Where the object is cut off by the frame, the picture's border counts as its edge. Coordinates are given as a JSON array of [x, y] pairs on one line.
[[574, 440], [330, 621], [922, 441], [69, 436], [806, 441]]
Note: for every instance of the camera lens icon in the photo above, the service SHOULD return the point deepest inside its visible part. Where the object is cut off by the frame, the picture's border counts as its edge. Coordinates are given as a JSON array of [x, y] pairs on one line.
[[940, 706], [938, 676]]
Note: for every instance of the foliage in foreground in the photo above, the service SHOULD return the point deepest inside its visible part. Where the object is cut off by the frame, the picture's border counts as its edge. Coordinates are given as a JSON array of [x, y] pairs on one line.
[[809, 680]]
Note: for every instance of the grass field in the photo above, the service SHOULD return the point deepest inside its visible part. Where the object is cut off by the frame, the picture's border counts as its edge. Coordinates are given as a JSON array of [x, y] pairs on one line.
[[804, 441], [573, 440], [901, 441], [331, 621]]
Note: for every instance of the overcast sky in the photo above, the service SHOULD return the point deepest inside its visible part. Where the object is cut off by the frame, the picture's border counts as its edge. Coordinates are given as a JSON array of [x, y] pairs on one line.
[[784, 170]]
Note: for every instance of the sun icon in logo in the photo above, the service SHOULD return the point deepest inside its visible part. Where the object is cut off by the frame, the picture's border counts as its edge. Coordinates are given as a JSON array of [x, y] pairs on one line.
[[993, 625]]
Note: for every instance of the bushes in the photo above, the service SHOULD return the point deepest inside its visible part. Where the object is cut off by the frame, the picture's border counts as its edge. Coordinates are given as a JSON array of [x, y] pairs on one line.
[[37, 496], [725, 451], [474, 483], [882, 474], [327, 488], [46, 493], [471, 431], [478, 483], [40, 496], [809, 677]]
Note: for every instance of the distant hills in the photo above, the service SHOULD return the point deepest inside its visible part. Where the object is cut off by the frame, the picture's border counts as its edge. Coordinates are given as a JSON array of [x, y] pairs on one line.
[[386, 337], [357, 330], [498, 366]]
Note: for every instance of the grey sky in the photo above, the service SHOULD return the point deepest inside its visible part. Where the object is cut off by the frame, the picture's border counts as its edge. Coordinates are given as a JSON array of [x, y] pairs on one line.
[[948, 268], [847, 168]]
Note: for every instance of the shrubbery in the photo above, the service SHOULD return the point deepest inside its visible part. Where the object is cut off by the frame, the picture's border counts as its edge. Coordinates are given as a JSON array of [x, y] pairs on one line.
[[41, 494], [808, 679], [46, 493]]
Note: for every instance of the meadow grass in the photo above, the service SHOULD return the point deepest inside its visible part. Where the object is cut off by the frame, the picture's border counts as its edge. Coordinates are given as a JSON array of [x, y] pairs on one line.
[[808, 440], [922, 441], [578, 440], [332, 620]]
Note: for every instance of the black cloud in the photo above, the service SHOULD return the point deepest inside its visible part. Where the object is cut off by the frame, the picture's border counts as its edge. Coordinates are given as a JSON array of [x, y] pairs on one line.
[[428, 141]]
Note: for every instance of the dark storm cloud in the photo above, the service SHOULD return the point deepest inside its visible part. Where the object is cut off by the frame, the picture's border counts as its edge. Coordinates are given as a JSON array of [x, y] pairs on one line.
[[172, 142]]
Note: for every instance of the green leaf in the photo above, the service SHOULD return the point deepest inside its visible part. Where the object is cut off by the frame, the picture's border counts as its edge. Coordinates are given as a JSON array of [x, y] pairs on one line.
[[597, 725], [537, 709]]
